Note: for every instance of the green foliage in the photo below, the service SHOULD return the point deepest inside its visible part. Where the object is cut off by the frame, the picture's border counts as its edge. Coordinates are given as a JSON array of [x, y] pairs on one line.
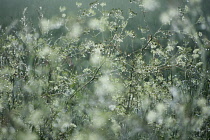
[[87, 83]]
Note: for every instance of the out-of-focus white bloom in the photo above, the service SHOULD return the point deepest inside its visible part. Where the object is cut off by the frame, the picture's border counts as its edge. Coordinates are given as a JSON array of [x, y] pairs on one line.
[[112, 107], [44, 52], [47, 25], [151, 116], [72, 125], [62, 8], [160, 108], [94, 136], [145, 103], [167, 16], [94, 24], [169, 48], [96, 56], [1, 106], [78, 4], [150, 4], [76, 30], [201, 102], [115, 126], [106, 86], [98, 119], [98, 24], [195, 56], [36, 118], [56, 87], [169, 121], [199, 64], [65, 126], [174, 92], [103, 4], [196, 51], [56, 103], [173, 12], [63, 15], [205, 110], [194, 1], [27, 136]]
